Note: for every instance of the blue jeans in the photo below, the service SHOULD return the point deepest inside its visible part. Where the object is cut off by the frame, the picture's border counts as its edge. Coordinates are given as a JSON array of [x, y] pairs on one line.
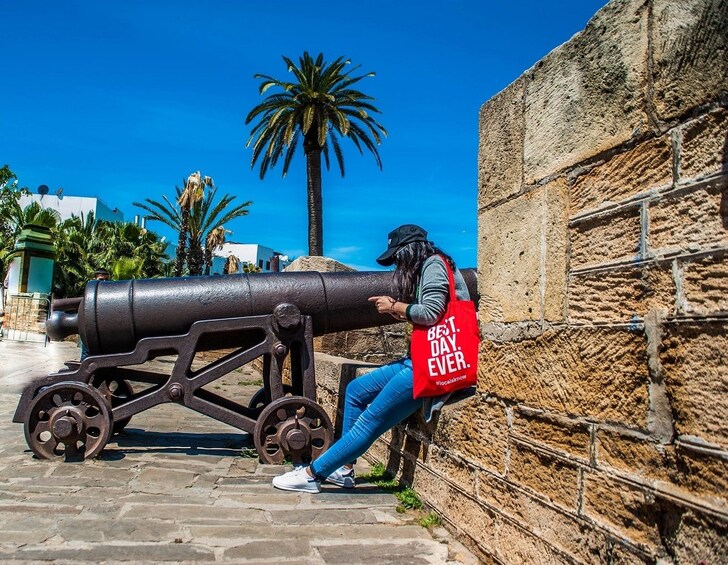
[[374, 403], [84, 349]]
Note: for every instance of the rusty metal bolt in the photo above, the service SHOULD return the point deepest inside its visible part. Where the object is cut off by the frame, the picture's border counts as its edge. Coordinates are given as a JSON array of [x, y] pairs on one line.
[[280, 349], [175, 391]]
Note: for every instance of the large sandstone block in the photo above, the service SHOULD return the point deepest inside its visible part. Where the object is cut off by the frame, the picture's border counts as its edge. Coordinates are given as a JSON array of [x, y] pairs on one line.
[[335, 373], [600, 373], [516, 545], [476, 520], [703, 147], [645, 167], [375, 345], [500, 145], [698, 539], [633, 453], [691, 220], [703, 473], [589, 95], [606, 239], [545, 475], [566, 531], [689, 54], [570, 437], [319, 264], [624, 508], [622, 294], [522, 256], [476, 429], [455, 469], [694, 359], [705, 286]]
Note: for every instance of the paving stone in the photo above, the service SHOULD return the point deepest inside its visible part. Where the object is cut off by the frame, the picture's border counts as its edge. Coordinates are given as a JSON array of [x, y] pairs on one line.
[[136, 552], [265, 549], [410, 553]]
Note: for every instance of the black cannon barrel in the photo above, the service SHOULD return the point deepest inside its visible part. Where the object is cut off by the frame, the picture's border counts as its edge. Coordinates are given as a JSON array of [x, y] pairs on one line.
[[114, 315]]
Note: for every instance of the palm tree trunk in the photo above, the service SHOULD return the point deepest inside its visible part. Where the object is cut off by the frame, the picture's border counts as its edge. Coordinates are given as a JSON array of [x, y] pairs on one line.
[[195, 260], [315, 200], [181, 243], [208, 259]]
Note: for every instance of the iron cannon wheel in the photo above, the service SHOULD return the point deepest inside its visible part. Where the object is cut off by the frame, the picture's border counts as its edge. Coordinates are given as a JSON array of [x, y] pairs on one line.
[[116, 392], [69, 420], [292, 427], [257, 401]]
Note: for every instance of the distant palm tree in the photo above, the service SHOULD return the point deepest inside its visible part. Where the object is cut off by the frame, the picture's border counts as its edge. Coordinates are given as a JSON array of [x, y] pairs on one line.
[[249, 267], [232, 263], [203, 216], [320, 107], [215, 239], [193, 193]]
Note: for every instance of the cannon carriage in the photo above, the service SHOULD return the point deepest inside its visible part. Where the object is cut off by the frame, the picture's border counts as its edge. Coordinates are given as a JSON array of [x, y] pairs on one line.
[[271, 318]]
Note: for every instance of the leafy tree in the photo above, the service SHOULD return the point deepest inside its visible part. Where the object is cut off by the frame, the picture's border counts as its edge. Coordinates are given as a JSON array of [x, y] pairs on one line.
[[84, 244], [127, 268], [204, 216], [10, 213], [319, 108]]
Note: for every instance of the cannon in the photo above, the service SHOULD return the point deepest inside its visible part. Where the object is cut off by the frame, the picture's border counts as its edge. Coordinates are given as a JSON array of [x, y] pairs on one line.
[[273, 317]]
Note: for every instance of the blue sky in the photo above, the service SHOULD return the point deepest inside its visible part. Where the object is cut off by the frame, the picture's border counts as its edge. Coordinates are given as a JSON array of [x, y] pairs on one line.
[[122, 100]]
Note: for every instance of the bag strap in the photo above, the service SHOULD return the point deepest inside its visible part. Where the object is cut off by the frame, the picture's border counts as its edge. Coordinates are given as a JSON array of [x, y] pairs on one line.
[[450, 278]]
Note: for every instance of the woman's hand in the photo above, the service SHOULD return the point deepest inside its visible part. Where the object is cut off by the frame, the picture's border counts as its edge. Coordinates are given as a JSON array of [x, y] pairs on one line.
[[388, 305]]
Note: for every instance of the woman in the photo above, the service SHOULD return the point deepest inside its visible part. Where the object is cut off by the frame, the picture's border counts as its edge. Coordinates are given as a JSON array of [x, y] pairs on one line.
[[377, 401]]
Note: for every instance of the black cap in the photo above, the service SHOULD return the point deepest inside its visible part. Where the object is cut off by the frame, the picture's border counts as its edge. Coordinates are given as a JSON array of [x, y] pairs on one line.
[[399, 237]]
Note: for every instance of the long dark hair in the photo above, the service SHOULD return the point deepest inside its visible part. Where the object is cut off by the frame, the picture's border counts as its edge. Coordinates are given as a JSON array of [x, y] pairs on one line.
[[409, 260]]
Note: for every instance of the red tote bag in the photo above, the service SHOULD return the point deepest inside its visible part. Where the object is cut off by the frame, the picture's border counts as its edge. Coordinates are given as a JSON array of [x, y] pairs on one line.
[[445, 356]]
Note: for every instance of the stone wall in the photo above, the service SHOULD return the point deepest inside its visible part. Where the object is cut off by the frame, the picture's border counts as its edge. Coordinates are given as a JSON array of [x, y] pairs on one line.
[[598, 433]]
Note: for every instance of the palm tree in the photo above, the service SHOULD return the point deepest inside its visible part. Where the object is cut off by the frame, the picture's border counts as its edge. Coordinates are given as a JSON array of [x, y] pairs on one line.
[[203, 216], [84, 244], [249, 267], [320, 107], [193, 192], [232, 263], [215, 239]]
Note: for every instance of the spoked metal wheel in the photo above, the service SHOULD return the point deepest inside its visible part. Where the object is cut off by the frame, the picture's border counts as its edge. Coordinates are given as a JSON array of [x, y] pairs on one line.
[[69, 420], [117, 392], [257, 401], [293, 427]]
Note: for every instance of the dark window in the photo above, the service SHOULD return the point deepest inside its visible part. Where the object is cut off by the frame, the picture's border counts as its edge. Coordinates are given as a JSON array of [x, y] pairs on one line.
[[267, 265]]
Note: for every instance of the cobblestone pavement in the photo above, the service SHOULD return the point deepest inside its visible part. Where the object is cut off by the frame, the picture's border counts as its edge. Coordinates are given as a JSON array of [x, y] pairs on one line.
[[173, 487]]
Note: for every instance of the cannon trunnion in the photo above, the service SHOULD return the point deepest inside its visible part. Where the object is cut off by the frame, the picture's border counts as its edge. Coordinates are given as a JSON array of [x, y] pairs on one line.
[[73, 413]]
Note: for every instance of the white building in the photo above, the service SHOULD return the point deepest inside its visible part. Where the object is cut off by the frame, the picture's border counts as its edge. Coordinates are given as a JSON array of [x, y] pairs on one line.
[[68, 206], [259, 255]]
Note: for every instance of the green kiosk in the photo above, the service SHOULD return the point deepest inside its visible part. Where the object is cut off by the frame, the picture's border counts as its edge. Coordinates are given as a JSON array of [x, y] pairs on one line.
[[29, 282]]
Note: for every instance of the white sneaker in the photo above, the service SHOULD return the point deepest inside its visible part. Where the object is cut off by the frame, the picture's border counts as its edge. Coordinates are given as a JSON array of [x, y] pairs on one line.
[[298, 480], [343, 477]]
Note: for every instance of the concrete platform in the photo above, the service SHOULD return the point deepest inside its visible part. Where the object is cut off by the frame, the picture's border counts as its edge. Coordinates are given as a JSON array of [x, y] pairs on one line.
[[177, 487]]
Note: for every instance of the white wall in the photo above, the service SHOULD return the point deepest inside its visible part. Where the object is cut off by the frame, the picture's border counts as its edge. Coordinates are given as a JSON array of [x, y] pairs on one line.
[[259, 255], [67, 206]]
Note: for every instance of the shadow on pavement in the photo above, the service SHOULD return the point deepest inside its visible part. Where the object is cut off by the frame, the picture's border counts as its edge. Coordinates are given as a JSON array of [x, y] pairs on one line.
[[133, 440]]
